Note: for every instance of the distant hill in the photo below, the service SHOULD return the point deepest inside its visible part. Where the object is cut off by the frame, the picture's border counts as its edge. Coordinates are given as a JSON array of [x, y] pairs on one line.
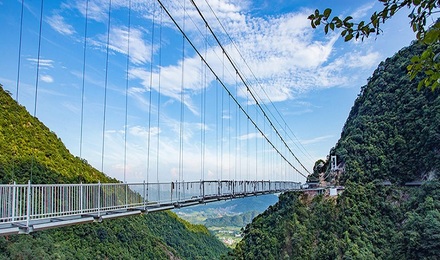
[[239, 220], [240, 205], [392, 133], [26, 146]]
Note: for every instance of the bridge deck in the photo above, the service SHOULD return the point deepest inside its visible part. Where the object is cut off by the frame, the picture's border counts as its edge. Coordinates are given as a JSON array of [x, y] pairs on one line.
[[32, 207]]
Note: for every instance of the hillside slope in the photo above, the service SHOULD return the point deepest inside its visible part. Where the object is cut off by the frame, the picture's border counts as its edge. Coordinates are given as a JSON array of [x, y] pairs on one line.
[[26, 143], [28, 146], [392, 133]]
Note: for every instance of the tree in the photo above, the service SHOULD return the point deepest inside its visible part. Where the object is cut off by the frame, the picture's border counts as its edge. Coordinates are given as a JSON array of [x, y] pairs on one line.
[[427, 64]]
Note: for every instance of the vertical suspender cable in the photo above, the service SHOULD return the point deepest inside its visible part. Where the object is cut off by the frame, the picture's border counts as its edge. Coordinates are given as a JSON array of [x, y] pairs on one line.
[[18, 69], [126, 91], [182, 99], [105, 85], [222, 119], [150, 90], [158, 95], [256, 148], [203, 106], [37, 74], [83, 80], [229, 137], [38, 58], [216, 132], [247, 139], [201, 120], [19, 50], [237, 129]]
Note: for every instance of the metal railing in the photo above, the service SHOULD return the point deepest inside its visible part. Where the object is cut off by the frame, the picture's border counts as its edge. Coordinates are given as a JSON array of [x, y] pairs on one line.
[[23, 206]]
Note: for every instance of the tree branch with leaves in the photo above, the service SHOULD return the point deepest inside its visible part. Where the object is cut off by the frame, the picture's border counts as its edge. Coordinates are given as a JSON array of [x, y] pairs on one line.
[[427, 64]]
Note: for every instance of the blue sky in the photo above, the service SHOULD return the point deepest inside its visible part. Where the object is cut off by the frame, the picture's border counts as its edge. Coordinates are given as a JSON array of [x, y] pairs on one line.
[[307, 82]]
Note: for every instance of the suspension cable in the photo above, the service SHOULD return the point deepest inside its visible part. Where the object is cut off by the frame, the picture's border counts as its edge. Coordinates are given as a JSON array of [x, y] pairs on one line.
[[106, 85], [37, 77], [126, 91], [185, 36], [38, 58], [303, 150], [19, 49], [158, 96], [247, 86], [150, 94], [83, 80], [182, 96]]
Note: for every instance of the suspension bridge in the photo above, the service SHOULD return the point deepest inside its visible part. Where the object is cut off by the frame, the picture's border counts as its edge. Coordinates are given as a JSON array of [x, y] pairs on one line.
[[205, 117]]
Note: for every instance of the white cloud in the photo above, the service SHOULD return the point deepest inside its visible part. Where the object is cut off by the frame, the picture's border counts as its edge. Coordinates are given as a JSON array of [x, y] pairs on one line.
[[250, 136], [368, 60], [144, 132], [316, 139], [140, 51], [43, 63], [57, 23], [46, 78], [362, 10]]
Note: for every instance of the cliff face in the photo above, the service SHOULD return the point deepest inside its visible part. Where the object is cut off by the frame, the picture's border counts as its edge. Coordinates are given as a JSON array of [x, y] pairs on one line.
[[27, 146], [392, 133]]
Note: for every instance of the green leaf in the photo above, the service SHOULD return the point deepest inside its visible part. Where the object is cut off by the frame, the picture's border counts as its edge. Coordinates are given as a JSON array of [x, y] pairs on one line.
[[348, 18], [327, 12], [431, 36], [348, 37], [326, 28]]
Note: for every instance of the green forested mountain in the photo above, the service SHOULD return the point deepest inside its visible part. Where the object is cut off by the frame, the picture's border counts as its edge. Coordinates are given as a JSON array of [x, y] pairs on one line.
[[392, 133], [27, 146], [393, 130]]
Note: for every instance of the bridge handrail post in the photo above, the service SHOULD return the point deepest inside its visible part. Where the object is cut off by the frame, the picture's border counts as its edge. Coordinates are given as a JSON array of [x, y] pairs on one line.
[[99, 198], [81, 197], [28, 204], [126, 195], [219, 188], [14, 194], [202, 182], [143, 192]]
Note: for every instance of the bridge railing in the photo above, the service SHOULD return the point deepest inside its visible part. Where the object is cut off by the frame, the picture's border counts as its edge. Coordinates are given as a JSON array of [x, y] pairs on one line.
[[28, 202]]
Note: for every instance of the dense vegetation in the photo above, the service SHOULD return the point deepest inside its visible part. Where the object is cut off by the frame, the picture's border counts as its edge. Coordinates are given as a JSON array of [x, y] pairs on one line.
[[366, 222], [30, 151], [160, 235], [392, 133], [393, 130]]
